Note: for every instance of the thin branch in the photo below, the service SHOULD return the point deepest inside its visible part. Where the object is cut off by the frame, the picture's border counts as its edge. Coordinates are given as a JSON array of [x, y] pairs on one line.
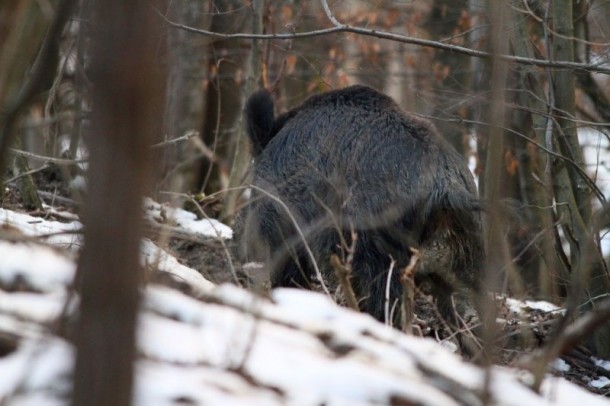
[[187, 136], [21, 175], [345, 28], [344, 274], [527, 10], [407, 280], [387, 293], [203, 214], [57, 161], [299, 232], [583, 327], [583, 174], [329, 14]]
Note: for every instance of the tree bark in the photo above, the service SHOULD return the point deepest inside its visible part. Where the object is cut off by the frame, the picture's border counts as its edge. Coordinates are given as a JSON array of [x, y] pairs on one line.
[[223, 98], [535, 176], [496, 247], [242, 148], [187, 60], [589, 279], [127, 109]]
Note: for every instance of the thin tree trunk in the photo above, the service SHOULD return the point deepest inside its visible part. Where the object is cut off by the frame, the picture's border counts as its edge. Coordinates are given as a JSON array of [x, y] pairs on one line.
[[185, 110], [589, 279], [538, 189], [242, 149], [564, 88], [127, 108], [227, 71], [496, 246]]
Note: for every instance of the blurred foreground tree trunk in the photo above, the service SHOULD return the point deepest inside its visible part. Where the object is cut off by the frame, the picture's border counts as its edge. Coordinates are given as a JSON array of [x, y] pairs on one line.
[[127, 109]]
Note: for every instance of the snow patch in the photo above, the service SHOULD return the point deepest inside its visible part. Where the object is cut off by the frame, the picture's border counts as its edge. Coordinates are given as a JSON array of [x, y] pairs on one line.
[[36, 266], [600, 382], [602, 363], [228, 346], [161, 260], [186, 220], [38, 366], [519, 306], [560, 365], [63, 235]]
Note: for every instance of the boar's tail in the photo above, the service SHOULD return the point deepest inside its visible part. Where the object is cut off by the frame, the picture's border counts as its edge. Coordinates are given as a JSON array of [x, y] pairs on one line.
[[259, 120]]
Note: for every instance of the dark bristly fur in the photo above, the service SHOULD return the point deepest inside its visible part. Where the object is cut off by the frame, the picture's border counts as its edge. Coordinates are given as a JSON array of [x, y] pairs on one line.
[[351, 159]]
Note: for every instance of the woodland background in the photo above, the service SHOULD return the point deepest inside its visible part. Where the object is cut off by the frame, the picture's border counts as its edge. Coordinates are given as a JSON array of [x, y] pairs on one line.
[[146, 98]]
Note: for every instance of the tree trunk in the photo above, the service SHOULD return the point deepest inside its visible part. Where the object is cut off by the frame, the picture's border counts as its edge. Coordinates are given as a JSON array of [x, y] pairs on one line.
[[187, 60], [589, 279], [242, 149], [127, 109], [535, 176], [222, 104]]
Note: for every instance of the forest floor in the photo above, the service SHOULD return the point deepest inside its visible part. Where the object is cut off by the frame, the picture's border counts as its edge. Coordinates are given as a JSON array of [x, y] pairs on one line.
[[522, 326]]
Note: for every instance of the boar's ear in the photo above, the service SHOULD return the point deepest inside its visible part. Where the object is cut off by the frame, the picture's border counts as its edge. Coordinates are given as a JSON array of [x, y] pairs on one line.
[[259, 120]]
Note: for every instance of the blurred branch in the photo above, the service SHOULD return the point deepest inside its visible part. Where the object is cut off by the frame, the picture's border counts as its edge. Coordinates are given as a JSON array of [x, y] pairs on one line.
[[407, 280], [346, 28], [187, 136], [299, 231], [58, 161], [583, 327], [28, 173]]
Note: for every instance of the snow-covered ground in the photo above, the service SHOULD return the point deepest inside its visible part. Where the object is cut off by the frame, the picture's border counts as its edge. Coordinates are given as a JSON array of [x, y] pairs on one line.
[[229, 347]]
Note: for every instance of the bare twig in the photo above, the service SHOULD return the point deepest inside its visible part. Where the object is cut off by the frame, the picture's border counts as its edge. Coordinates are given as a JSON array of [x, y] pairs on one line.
[[21, 175], [344, 273], [407, 280], [583, 327], [566, 338], [187, 136], [57, 161], [301, 235], [329, 14], [205, 151], [54, 198], [220, 239], [387, 292]]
